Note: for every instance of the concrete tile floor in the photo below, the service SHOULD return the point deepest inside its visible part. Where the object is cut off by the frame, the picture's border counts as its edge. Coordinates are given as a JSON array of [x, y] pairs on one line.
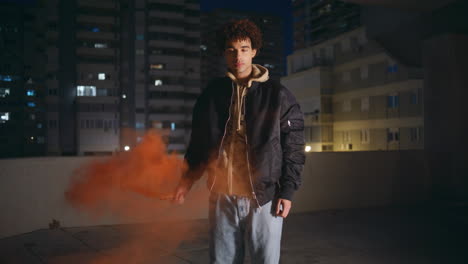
[[425, 234]]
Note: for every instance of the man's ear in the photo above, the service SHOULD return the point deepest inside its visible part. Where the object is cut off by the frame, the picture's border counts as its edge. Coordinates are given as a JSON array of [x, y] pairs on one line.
[[254, 51]]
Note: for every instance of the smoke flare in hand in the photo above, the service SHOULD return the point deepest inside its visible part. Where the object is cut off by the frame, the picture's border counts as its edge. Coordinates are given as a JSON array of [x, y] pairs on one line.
[[146, 171], [135, 186]]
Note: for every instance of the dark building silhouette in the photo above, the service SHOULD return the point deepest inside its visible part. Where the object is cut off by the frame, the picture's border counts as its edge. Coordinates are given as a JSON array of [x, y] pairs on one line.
[[83, 77], [22, 75], [319, 20]]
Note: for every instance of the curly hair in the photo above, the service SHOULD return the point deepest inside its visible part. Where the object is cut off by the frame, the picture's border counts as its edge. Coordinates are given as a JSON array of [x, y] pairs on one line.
[[239, 30]]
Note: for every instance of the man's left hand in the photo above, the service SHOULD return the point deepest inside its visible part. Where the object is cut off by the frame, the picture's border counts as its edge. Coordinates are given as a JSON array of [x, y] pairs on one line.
[[282, 207]]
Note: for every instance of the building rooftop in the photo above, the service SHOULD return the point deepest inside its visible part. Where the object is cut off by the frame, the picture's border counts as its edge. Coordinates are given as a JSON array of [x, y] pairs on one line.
[[424, 234]]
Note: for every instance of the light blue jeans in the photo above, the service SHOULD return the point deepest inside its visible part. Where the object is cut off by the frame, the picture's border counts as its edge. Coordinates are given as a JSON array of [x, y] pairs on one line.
[[236, 222]]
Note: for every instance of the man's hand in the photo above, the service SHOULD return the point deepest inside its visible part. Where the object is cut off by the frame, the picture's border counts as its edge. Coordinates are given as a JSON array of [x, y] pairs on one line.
[[282, 207], [182, 189]]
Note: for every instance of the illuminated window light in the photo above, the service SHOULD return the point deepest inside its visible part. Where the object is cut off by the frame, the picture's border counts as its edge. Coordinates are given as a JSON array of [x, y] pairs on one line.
[[4, 92], [124, 96], [158, 66], [308, 148], [101, 76], [31, 104], [6, 78], [158, 83], [30, 93], [100, 45], [95, 29], [127, 148], [4, 116], [82, 90], [172, 126]]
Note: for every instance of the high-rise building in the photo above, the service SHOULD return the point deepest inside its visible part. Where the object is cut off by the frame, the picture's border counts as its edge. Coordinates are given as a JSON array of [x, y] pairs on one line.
[[319, 20], [167, 67], [98, 74], [22, 87], [271, 55], [356, 96]]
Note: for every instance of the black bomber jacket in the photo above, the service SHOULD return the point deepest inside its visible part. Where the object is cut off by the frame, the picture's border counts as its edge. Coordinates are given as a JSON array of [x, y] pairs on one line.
[[274, 127]]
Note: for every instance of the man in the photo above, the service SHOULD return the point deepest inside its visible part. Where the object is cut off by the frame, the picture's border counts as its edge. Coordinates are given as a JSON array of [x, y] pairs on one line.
[[247, 134]]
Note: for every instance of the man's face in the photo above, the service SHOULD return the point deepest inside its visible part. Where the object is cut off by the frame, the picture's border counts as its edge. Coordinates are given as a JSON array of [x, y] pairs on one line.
[[239, 55]]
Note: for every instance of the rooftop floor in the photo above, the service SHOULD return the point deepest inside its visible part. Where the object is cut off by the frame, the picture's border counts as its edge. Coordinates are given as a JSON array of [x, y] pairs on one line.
[[436, 234]]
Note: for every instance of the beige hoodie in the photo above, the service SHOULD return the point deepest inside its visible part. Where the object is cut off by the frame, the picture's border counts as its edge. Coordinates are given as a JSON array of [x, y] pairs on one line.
[[234, 179]]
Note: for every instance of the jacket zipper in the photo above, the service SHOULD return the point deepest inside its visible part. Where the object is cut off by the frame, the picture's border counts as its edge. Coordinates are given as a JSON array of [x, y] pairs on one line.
[[224, 135], [247, 155]]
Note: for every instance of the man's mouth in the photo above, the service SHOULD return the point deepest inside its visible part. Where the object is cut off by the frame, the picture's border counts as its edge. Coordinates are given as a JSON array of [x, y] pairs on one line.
[[239, 64]]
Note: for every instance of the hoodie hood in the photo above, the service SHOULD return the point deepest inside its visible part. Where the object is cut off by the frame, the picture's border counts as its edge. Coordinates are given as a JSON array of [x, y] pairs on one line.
[[259, 74]]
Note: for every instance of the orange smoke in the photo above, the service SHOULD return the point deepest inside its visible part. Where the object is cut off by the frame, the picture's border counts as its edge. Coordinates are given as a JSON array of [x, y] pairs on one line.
[[146, 171], [133, 187]]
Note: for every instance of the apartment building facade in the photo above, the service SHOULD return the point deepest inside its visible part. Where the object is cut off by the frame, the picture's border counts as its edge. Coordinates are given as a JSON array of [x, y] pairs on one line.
[[108, 71], [356, 96], [319, 20], [22, 84]]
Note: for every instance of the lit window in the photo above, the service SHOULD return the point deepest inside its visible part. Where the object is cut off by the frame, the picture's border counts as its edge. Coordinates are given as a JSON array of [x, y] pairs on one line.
[[4, 92], [415, 134], [124, 96], [4, 116], [158, 66], [393, 101], [100, 45], [6, 78], [31, 104], [157, 124], [139, 125], [30, 93], [203, 47], [101, 76], [95, 29], [267, 65], [158, 82], [172, 126], [365, 138], [39, 125], [82, 90], [346, 136]]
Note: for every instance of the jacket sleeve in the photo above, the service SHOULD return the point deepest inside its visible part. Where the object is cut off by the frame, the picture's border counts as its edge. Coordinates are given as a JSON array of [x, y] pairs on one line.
[[292, 143], [196, 155]]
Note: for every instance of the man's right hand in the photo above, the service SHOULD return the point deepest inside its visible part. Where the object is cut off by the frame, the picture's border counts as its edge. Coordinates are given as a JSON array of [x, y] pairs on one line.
[[181, 190]]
